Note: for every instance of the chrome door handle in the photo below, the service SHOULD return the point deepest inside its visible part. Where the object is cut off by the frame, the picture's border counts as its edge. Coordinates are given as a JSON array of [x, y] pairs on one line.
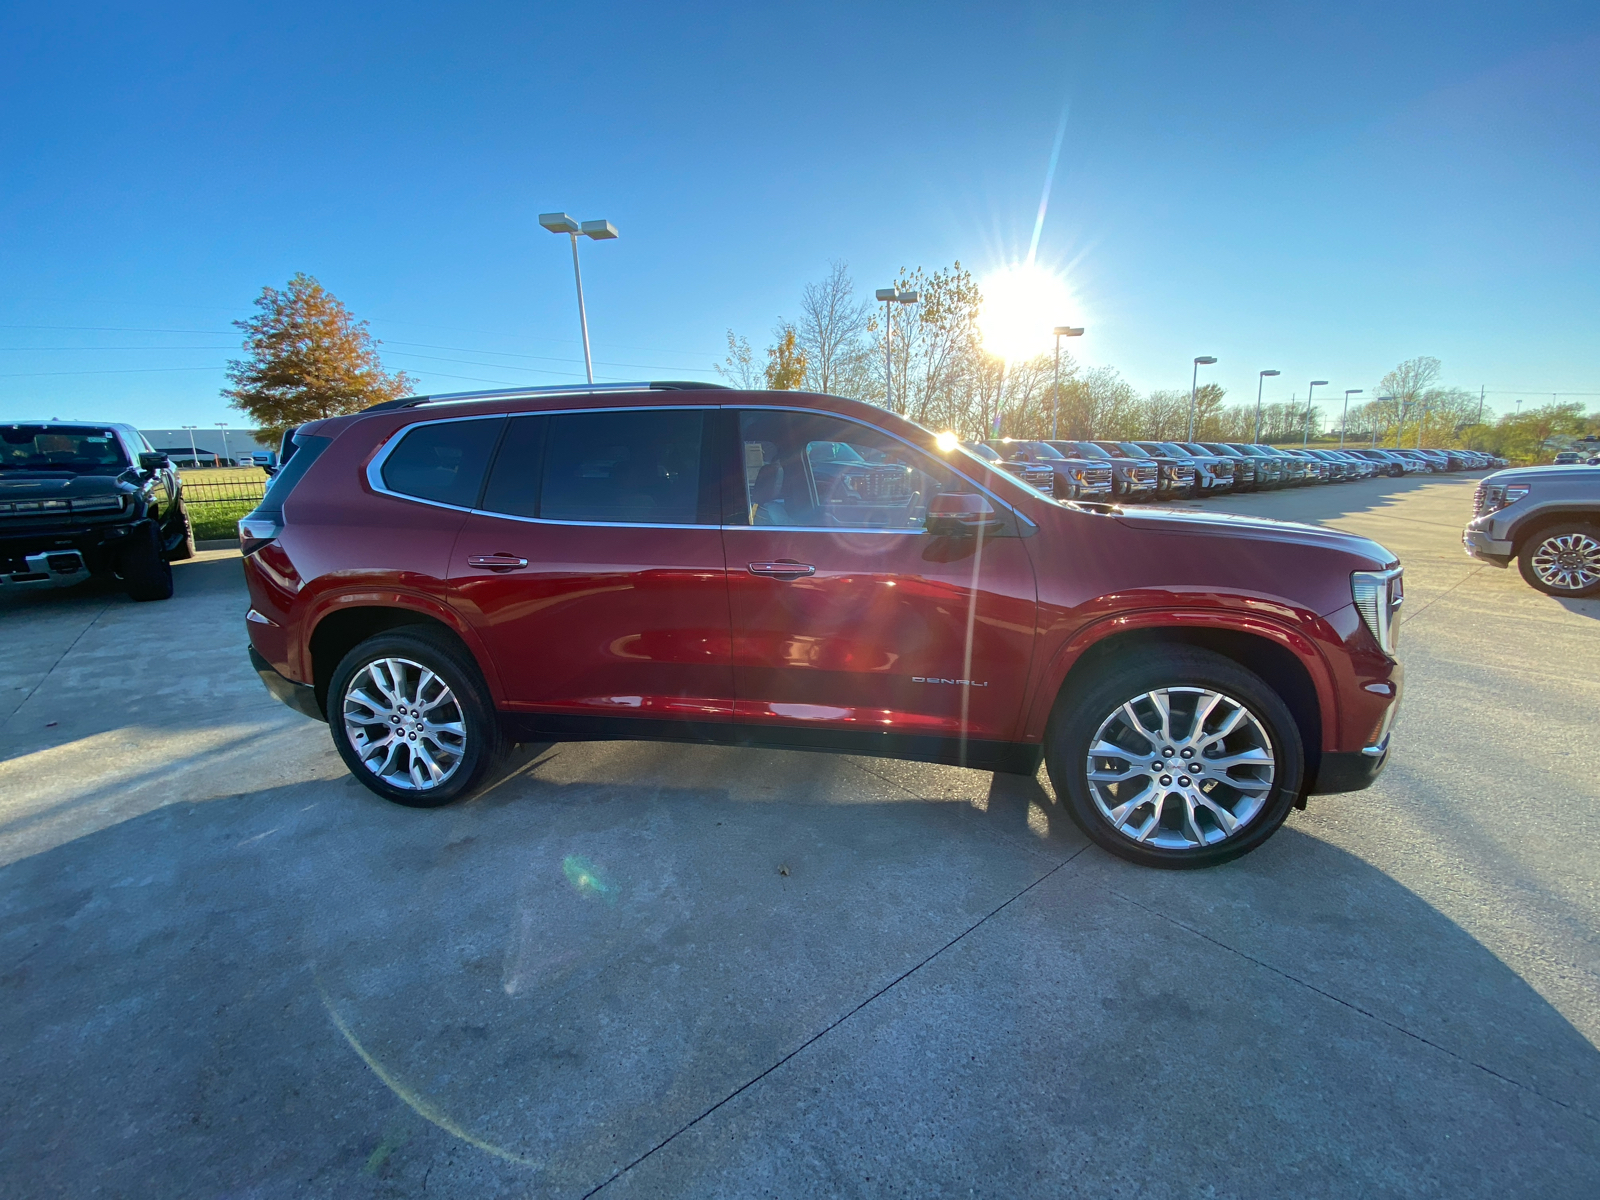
[[782, 570], [497, 562]]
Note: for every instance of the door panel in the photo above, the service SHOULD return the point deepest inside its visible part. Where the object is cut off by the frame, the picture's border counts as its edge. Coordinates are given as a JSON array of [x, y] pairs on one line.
[[892, 628], [599, 587]]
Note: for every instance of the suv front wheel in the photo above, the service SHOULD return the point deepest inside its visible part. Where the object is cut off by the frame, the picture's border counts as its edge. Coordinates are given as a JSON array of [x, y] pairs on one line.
[[1563, 561], [1176, 757], [412, 718]]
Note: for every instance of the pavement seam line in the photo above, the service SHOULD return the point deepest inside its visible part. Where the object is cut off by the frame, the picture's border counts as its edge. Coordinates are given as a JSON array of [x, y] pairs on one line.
[[1356, 1008], [59, 660], [1472, 574], [829, 1028]]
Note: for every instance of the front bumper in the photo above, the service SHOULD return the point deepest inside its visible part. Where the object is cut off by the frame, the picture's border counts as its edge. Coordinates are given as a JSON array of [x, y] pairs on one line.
[[60, 557], [301, 697], [1351, 772], [1480, 545]]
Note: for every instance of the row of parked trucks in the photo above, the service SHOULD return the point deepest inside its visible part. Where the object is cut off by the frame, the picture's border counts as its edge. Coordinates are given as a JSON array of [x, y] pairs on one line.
[[1132, 471]]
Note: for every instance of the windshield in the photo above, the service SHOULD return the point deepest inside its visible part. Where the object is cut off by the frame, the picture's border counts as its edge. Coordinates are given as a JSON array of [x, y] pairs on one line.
[[826, 452], [1044, 450], [1127, 449], [981, 451], [83, 450], [1081, 449], [1173, 449]]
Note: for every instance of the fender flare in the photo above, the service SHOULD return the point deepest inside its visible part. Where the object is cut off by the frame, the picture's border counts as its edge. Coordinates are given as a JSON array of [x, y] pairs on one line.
[[1304, 649], [411, 601]]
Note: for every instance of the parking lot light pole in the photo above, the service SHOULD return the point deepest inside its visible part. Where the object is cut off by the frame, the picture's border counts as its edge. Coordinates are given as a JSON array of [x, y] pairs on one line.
[[891, 296], [598, 231], [1348, 392], [194, 451], [1055, 405], [1315, 383], [1205, 360], [1259, 384], [226, 453], [1381, 399]]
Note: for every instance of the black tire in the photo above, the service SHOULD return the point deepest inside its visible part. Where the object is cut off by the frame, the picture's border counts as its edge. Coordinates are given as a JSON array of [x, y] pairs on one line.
[[1570, 552], [185, 547], [145, 572], [483, 744], [1129, 680]]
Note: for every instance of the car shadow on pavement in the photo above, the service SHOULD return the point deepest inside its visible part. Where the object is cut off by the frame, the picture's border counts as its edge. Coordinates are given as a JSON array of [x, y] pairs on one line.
[[724, 978], [1582, 608]]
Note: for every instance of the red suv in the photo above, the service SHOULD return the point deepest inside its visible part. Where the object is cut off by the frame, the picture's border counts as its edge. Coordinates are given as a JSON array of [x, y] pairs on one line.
[[441, 577]]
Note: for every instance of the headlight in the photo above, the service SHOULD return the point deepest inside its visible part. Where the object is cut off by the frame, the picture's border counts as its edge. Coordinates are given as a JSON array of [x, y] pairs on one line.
[[1378, 595], [1495, 496], [98, 504]]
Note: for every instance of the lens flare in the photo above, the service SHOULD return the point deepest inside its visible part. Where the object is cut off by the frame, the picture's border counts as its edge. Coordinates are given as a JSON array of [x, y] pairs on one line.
[[1022, 304]]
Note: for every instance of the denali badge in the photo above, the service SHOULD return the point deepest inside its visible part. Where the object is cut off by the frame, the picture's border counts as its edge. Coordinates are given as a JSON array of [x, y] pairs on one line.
[[961, 682]]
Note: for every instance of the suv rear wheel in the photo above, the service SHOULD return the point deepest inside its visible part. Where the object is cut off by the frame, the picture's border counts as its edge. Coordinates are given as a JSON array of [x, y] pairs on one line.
[[1563, 560], [412, 718], [1176, 758]]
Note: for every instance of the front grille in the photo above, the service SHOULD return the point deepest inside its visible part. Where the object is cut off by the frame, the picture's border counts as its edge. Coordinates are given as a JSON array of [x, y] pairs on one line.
[[1096, 476], [1043, 478], [1145, 474], [61, 508]]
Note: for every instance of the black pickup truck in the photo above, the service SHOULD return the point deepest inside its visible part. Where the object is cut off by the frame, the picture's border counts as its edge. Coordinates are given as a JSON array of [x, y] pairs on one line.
[[81, 499]]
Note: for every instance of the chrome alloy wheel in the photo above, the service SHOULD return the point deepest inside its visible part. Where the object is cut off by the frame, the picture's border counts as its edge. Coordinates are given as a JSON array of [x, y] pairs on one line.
[[1568, 561], [404, 723], [1180, 768]]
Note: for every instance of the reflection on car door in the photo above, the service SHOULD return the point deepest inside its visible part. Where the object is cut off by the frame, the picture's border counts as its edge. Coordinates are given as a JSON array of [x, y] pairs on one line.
[[593, 569], [846, 612]]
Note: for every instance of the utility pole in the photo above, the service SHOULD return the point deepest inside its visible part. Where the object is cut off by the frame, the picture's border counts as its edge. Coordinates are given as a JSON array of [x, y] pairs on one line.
[[1261, 380], [1061, 331]]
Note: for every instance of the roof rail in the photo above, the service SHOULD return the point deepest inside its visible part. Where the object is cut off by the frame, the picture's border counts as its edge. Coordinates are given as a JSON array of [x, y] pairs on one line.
[[560, 389]]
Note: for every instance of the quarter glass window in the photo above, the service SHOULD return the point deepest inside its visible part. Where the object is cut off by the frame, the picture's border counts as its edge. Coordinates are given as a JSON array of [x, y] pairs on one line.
[[810, 470], [632, 467], [443, 462]]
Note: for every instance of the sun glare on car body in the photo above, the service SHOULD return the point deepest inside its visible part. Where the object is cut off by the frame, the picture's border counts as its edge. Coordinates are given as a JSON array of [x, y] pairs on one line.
[[1022, 304]]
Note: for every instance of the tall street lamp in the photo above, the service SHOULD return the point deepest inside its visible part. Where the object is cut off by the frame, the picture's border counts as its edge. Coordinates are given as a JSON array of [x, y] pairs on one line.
[[1205, 360], [1259, 382], [1382, 399], [1061, 331], [1348, 392], [194, 452], [891, 296], [226, 453], [1315, 383], [599, 231]]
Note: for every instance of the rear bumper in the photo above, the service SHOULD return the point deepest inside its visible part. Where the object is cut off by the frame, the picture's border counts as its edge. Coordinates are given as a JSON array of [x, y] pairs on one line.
[[301, 697]]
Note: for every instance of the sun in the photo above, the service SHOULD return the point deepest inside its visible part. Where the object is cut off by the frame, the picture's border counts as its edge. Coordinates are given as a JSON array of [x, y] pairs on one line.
[[1022, 304]]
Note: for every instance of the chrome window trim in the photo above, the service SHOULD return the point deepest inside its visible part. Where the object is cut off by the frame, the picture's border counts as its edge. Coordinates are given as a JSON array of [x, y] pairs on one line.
[[374, 472]]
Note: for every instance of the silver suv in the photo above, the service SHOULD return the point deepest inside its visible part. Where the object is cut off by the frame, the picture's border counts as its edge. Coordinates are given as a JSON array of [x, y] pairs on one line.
[[1548, 519]]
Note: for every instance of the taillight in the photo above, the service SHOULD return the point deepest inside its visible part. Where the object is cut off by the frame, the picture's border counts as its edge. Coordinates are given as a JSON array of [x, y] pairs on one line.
[[256, 530]]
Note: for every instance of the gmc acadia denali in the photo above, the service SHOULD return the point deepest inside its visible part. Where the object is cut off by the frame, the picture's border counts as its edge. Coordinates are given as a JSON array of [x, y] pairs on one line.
[[440, 577]]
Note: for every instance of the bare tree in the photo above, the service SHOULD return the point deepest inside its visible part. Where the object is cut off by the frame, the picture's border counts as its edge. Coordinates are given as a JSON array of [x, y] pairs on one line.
[[832, 335]]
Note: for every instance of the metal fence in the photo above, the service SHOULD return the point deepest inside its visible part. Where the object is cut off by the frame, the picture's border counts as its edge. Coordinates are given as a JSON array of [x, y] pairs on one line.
[[237, 491]]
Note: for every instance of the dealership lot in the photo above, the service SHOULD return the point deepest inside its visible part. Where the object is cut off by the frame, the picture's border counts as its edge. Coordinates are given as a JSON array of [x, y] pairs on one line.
[[228, 969]]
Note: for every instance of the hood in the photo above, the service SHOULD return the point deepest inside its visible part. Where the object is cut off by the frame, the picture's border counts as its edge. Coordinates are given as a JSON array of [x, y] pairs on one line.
[[1565, 472], [1190, 523], [21, 485]]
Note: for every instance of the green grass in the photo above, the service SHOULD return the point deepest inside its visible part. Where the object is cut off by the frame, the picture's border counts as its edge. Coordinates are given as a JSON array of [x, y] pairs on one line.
[[223, 475], [214, 521]]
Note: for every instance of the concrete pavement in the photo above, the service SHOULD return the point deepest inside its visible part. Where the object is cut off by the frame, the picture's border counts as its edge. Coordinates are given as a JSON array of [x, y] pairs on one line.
[[657, 970]]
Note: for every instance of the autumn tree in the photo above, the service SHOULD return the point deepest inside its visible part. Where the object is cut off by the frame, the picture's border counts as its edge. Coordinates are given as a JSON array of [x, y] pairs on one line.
[[786, 360], [308, 358], [739, 367]]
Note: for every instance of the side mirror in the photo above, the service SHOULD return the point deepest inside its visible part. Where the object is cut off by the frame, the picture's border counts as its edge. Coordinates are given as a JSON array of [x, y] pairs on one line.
[[153, 460], [959, 514]]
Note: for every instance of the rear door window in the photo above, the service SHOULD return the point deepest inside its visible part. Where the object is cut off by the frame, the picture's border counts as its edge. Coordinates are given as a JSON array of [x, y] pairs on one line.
[[627, 466], [443, 461]]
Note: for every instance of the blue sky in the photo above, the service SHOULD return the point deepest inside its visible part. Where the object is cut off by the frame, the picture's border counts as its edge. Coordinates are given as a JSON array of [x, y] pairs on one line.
[[1324, 192]]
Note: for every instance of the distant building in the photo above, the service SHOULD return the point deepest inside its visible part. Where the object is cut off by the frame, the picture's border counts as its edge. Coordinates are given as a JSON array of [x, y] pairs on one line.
[[207, 441]]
